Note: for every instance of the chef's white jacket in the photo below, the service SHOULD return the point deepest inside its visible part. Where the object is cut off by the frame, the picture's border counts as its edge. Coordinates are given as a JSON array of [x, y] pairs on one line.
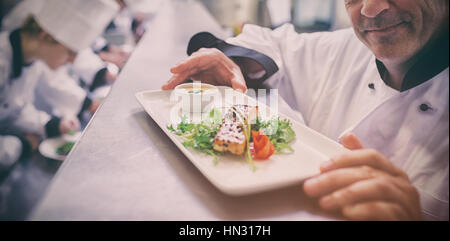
[[325, 76], [86, 65], [56, 92], [18, 115], [10, 151]]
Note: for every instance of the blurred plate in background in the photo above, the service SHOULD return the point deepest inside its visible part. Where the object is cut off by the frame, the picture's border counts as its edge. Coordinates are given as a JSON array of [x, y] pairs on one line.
[[48, 147]]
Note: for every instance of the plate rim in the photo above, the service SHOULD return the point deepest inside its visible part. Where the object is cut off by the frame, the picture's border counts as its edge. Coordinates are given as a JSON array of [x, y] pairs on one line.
[[55, 156], [44, 154]]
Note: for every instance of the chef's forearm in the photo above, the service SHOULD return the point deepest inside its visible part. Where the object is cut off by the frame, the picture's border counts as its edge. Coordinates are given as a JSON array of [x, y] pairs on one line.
[[254, 73]]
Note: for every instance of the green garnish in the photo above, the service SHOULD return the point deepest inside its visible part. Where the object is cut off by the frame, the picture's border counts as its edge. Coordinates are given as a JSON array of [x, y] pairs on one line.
[[200, 136], [195, 91], [65, 148], [279, 131]]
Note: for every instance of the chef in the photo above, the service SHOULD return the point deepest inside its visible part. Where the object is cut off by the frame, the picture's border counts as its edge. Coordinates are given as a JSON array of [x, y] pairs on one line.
[[53, 36], [57, 91], [381, 89]]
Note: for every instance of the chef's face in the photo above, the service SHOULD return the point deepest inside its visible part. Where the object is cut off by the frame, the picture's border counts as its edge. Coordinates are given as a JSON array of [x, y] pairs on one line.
[[121, 4], [53, 53], [395, 30]]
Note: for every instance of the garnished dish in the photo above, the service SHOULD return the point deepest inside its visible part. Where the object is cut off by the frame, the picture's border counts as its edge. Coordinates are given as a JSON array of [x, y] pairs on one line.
[[57, 148], [237, 130], [65, 148], [69, 141], [240, 145]]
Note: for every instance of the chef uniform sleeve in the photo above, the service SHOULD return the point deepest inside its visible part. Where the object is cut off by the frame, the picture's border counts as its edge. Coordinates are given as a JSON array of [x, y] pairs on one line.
[[237, 54], [304, 60]]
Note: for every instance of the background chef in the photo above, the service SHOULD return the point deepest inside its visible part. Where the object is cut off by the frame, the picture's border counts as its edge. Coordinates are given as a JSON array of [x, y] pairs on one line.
[[54, 36]]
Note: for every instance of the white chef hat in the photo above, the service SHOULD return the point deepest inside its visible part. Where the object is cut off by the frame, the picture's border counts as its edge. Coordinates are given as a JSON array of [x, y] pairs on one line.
[[76, 23], [143, 6]]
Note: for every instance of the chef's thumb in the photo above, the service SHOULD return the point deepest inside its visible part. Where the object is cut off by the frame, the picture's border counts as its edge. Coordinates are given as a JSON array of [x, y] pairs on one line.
[[352, 142]]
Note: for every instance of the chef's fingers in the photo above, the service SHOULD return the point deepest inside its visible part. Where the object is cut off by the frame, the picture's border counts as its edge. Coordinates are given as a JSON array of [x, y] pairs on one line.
[[375, 211], [224, 73], [374, 189], [206, 63], [190, 62], [212, 61], [75, 124], [186, 63], [238, 81], [329, 182], [175, 80], [364, 157], [204, 56], [221, 75], [194, 66], [352, 142]]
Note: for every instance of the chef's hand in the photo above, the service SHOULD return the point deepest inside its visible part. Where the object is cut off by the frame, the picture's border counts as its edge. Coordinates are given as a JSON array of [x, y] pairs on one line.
[[364, 185], [94, 106], [209, 66], [33, 140], [69, 124], [110, 77], [115, 55]]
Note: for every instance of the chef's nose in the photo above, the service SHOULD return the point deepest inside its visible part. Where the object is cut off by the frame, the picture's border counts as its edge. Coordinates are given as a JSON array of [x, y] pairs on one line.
[[372, 8]]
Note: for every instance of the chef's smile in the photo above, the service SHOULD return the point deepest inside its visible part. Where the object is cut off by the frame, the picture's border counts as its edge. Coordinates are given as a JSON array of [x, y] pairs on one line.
[[387, 30]]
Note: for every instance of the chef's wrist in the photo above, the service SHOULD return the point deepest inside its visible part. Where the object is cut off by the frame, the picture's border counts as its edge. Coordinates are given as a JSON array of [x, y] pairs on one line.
[[250, 68]]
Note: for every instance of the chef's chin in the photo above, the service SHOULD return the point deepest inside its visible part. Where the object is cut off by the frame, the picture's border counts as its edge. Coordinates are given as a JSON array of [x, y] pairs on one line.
[[392, 53], [393, 49]]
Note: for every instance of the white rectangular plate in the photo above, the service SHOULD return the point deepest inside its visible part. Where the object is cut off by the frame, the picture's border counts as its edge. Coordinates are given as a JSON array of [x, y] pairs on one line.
[[233, 175]]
